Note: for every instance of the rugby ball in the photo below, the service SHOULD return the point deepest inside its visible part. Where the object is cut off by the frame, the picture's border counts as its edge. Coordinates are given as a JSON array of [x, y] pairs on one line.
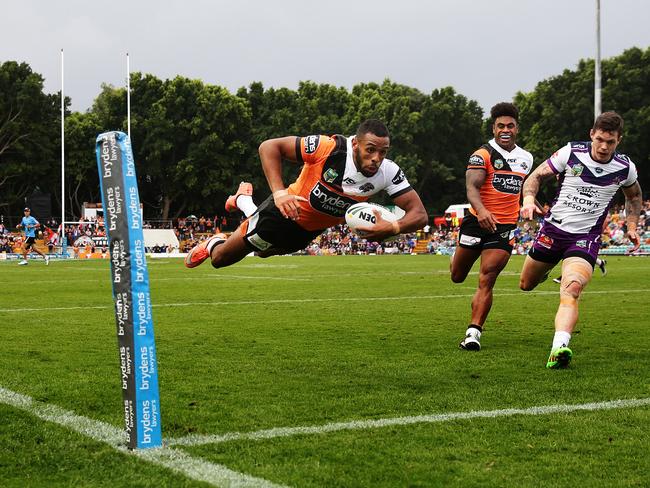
[[362, 215]]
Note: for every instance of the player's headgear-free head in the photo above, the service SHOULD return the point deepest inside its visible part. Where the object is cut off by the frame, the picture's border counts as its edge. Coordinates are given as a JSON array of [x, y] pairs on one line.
[[504, 109]]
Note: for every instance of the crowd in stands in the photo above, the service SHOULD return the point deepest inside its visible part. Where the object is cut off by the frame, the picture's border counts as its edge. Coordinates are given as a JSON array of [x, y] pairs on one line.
[[441, 240], [336, 240]]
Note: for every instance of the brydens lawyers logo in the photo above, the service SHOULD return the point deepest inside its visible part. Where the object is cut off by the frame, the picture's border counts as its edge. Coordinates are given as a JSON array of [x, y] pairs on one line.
[[328, 202], [311, 144], [476, 160], [507, 183]]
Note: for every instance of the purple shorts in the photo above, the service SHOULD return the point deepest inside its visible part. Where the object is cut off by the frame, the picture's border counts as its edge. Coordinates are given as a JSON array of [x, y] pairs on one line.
[[552, 245]]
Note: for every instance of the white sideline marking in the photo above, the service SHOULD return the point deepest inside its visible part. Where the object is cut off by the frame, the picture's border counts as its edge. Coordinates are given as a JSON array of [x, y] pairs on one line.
[[317, 300], [195, 439], [174, 459], [194, 278]]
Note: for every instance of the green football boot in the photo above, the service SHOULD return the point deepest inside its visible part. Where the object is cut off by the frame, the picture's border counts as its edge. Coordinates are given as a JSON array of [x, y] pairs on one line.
[[560, 358]]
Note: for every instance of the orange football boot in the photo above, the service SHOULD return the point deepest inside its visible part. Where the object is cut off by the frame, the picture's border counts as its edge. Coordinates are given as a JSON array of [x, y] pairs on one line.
[[199, 253], [244, 189]]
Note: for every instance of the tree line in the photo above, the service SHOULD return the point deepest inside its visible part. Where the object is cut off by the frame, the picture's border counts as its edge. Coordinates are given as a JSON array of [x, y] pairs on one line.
[[193, 142]]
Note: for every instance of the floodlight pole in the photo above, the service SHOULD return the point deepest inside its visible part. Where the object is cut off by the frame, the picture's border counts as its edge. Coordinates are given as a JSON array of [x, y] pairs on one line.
[[597, 73], [62, 236], [128, 96]]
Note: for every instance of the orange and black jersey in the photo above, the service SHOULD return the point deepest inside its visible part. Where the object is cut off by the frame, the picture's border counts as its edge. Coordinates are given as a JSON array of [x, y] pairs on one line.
[[330, 181], [506, 171]]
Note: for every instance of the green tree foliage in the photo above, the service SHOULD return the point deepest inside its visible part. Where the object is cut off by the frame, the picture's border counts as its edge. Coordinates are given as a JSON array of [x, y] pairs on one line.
[[189, 140], [29, 135], [560, 109], [82, 179], [194, 142]]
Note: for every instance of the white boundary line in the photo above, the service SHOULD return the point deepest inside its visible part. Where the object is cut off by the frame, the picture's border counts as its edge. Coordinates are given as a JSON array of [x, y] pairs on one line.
[[317, 300], [174, 459], [196, 440]]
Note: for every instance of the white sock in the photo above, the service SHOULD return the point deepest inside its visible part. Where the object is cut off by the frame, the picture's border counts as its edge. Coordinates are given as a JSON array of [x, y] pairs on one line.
[[245, 204], [474, 332], [561, 339], [214, 241], [599, 262]]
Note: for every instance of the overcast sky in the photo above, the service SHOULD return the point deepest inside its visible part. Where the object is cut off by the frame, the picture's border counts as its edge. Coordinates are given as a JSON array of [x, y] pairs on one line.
[[486, 50]]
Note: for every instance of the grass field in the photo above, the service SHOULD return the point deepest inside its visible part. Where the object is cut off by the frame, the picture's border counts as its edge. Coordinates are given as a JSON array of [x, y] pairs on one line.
[[361, 351]]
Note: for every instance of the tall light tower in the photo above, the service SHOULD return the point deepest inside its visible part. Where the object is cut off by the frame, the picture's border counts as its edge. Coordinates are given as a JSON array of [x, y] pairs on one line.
[[597, 73]]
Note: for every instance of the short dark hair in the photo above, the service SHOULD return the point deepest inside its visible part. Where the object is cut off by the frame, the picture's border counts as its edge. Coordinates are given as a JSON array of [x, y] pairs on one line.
[[609, 122], [372, 126], [504, 109]]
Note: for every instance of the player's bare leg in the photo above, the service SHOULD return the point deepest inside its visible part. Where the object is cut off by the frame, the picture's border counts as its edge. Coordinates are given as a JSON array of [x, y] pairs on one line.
[[461, 263], [533, 273], [231, 251], [576, 275], [46, 258], [492, 263]]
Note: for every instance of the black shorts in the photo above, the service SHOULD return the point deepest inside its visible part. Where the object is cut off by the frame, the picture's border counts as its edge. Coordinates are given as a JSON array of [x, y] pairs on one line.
[[29, 242], [268, 232], [473, 236]]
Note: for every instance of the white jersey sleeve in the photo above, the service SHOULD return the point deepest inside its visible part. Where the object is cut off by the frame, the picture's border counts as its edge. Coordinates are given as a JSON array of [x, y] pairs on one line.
[[558, 161], [396, 182], [631, 176]]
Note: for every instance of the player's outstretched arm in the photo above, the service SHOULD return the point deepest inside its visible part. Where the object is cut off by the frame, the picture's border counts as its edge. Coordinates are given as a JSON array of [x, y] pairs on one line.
[[529, 208], [272, 152], [633, 203]]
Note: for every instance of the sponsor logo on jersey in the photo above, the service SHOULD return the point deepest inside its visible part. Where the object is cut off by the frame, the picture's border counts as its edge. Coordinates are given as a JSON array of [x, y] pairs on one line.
[[399, 177], [581, 243], [498, 164], [330, 175], [469, 240], [311, 144], [328, 202], [366, 187], [524, 166], [577, 169], [476, 160], [545, 241], [579, 145], [507, 183], [598, 170], [349, 181], [587, 191]]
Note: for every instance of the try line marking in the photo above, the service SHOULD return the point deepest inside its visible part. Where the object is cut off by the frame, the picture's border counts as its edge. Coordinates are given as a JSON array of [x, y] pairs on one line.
[[174, 459], [315, 300], [219, 475], [196, 439]]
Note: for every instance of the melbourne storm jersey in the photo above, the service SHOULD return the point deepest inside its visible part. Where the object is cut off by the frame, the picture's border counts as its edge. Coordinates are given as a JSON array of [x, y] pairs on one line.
[[586, 188], [506, 171], [330, 181]]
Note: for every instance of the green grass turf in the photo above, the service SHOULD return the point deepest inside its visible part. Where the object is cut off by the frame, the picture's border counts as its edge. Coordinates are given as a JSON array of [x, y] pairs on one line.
[[298, 341]]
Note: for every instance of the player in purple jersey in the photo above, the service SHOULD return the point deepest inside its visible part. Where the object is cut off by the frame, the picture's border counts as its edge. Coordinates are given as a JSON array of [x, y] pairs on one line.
[[590, 173]]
